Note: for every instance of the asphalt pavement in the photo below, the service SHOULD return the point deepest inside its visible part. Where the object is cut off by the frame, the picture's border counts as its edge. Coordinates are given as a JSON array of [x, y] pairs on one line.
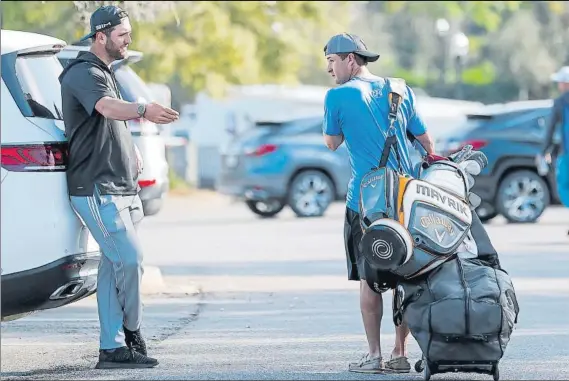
[[248, 298]]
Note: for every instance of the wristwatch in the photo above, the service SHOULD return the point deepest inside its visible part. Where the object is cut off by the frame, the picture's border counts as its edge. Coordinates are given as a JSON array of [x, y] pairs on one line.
[[141, 110]]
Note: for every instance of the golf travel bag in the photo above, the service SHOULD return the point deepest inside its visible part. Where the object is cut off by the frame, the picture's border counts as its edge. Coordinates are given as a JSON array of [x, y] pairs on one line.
[[410, 226], [461, 314]]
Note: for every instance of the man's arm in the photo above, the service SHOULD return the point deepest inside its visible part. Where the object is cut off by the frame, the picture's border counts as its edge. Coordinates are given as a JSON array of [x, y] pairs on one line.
[[427, 142], [550, 128], [117, 109], [333, 141], [89, 86], [416, 126], [332, 129]]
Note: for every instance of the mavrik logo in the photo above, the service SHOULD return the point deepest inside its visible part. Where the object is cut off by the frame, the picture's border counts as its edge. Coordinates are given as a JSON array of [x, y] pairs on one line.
[[432, 193]]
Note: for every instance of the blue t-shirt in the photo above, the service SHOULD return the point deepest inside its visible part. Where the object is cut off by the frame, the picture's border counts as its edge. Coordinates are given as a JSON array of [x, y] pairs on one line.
[[359, 109]]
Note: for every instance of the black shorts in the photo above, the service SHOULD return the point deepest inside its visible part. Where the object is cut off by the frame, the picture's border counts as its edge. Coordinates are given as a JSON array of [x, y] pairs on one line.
[[358, 268]]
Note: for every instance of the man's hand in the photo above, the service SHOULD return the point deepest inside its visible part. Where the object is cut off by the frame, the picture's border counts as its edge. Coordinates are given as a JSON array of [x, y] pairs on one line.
[[159, 114]]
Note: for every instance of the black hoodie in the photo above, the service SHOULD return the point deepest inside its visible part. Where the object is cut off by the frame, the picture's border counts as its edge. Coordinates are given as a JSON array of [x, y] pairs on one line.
[[101, 150], [560, 117]]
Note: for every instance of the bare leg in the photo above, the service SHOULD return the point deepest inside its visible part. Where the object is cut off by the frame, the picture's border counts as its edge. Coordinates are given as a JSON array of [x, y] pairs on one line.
[[401, 336], [399, 362], [371, 304]]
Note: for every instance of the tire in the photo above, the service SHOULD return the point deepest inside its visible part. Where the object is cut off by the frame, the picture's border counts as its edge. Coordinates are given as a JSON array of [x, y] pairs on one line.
[[420, 366], [265, 209], [496, 373], [522, 197], [152, 207], [310, 193]]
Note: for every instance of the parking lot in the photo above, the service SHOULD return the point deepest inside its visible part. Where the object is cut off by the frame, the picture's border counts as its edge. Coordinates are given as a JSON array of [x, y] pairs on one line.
[[246, 298]]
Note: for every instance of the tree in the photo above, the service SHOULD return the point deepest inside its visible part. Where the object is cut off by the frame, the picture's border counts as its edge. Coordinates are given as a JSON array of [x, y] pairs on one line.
[[198, 45]]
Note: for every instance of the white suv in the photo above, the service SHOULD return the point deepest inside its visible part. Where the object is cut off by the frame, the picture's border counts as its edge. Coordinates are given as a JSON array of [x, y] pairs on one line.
[[48, 258]]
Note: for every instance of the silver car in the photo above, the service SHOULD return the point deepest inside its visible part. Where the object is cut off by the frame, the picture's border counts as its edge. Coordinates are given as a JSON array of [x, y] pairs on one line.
[[277, 164]]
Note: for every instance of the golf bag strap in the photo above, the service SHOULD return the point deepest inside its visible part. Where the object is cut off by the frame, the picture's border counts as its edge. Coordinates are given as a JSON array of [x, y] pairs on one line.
[[397, 88]]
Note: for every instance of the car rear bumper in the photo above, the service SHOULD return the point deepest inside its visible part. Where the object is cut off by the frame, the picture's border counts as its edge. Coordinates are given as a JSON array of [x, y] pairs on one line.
[[257, 188], [55, 284], [154, 191]]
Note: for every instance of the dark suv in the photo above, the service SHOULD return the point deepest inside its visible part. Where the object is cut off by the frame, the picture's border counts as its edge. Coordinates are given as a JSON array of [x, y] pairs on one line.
[[511, 135]]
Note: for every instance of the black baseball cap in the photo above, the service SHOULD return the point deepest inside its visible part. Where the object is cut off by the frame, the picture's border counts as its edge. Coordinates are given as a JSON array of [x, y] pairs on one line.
[[105, 17], [349, 43]]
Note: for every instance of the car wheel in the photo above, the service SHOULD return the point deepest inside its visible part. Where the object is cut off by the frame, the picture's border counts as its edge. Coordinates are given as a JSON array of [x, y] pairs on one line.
[[486, 212], [265, 208], [152, 207], [522, 197], [310, 193]]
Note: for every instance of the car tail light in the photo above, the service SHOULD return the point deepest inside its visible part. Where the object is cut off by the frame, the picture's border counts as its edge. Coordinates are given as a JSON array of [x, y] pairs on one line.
[[476, 144], [47, 157], [457, 146], [263, 150], [146, 183]]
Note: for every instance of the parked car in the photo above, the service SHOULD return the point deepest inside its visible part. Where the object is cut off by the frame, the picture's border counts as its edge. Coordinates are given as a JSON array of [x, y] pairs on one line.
[[154, 180], [511, 135], [48, 258], [277, 164]]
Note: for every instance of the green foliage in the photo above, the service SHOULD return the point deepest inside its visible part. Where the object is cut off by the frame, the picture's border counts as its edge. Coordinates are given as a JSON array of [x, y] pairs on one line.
[[207, 45], [482, 74]]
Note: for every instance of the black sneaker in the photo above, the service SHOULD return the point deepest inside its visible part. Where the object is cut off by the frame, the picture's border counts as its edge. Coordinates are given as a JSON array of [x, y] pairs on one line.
[[135, 341], [124, 358]]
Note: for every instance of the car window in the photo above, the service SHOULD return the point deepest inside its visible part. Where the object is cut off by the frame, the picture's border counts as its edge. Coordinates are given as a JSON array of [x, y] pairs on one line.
[[132, 87], [38, 76], [305, 126], [65, 61]]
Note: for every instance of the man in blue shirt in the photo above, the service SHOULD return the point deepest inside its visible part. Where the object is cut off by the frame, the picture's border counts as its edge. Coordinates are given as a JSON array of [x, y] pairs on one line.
[[560, 118], [356, 113]]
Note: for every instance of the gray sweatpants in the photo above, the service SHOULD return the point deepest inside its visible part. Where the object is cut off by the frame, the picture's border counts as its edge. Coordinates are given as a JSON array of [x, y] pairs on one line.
[[113, 221]]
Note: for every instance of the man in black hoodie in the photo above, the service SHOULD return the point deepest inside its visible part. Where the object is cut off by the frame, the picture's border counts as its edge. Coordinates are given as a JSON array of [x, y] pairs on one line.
[[102, 180], [560, 118]]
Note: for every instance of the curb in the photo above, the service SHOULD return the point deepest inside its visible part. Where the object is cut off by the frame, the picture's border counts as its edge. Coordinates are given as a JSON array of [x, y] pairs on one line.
[[152, 281]]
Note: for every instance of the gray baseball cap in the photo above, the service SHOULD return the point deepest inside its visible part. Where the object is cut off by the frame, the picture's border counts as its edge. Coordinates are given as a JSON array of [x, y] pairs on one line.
[[105, 17], [562, 75], [349, 43]]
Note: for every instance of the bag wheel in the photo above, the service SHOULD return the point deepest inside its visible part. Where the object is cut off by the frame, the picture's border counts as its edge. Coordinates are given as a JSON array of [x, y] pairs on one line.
[[419, 366], [496, 373]]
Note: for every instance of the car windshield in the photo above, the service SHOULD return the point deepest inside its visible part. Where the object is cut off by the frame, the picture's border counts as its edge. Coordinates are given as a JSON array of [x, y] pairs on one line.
[[132, 88], [38, 78]]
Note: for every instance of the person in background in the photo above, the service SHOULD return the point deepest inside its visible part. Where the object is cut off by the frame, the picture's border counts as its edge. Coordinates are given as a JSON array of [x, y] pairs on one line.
[[356, 112], [560, 119], [102, 180]]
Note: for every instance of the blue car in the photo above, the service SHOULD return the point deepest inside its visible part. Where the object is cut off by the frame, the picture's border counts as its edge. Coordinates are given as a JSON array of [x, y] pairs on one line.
[[511, 135], [277, 164]]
